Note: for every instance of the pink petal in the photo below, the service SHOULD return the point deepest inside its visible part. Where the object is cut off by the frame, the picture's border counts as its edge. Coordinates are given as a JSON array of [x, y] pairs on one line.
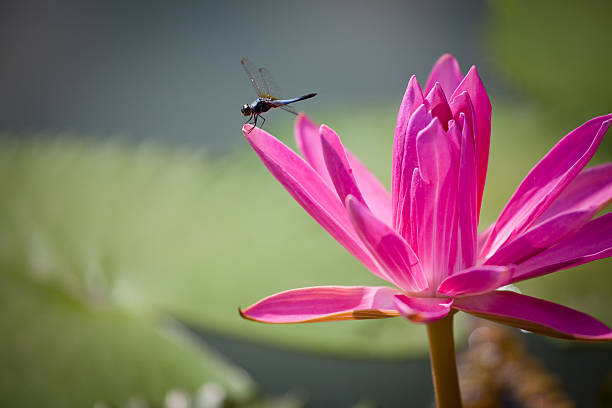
[[308, 188], [393, 253], [483, 237], [482, 128], [413, 98], [375, 194], [434, 152], [467, 196], [438, 106], [463, 111], [308, 139], [338, 166], [475, 280], [547, 180], [411, 227], [535, 315], [409, 161], [593, 241], [462, 105], [423, 309], [591, 190], [323, 304], [446, 71], [540, 237], [435, 198]]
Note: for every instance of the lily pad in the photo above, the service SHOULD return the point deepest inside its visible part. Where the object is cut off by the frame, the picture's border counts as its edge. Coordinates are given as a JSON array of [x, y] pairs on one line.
[[58, 352]]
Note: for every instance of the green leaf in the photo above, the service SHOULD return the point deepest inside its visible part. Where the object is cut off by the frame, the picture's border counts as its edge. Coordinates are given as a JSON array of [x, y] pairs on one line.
[[58, 352]]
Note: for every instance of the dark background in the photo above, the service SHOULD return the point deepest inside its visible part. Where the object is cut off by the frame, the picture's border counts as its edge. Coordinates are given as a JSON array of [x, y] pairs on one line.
[[172, 70]]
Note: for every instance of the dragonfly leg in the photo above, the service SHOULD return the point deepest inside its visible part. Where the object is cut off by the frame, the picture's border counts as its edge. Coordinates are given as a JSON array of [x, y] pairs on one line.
[[251, 118], [262, 123]]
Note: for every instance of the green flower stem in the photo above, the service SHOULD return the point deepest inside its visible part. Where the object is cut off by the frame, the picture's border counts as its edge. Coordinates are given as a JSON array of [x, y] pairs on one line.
[[443, 364]]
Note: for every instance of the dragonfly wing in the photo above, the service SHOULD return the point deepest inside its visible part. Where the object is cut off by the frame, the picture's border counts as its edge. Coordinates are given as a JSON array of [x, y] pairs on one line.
[[287, 108], [254, 77], [269, 85]]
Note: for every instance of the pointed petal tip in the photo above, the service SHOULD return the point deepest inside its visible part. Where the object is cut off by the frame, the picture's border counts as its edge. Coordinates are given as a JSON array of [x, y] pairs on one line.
[[535, 315], [473, 70], [353, 206], [244, 315], [447, 72], [247, 128], [415, 87], [327, 132], [472, 82], [413, 98], [434, 124], [446, 56], [436, 96], [329, 136], [592, 242], [302, 118], [546, 181], [349, 201]]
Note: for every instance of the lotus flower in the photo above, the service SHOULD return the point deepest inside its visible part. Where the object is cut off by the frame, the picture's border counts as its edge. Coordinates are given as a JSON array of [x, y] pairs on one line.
[[422, 238]]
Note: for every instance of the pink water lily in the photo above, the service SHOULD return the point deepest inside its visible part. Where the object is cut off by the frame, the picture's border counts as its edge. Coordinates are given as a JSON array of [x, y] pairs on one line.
[[422, 238]]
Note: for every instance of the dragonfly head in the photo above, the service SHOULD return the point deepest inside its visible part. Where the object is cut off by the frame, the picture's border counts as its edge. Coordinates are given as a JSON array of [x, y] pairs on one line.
[[246, 110]]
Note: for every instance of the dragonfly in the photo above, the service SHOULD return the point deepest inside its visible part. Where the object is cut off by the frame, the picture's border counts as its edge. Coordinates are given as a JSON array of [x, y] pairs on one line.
[[268, 94]]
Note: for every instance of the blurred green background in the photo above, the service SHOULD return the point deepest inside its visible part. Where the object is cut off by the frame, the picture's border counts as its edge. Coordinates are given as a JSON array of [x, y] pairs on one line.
[[135, 220]]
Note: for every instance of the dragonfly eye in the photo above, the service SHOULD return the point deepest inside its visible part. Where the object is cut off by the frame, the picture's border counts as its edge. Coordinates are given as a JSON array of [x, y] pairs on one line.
[[246, 110]]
